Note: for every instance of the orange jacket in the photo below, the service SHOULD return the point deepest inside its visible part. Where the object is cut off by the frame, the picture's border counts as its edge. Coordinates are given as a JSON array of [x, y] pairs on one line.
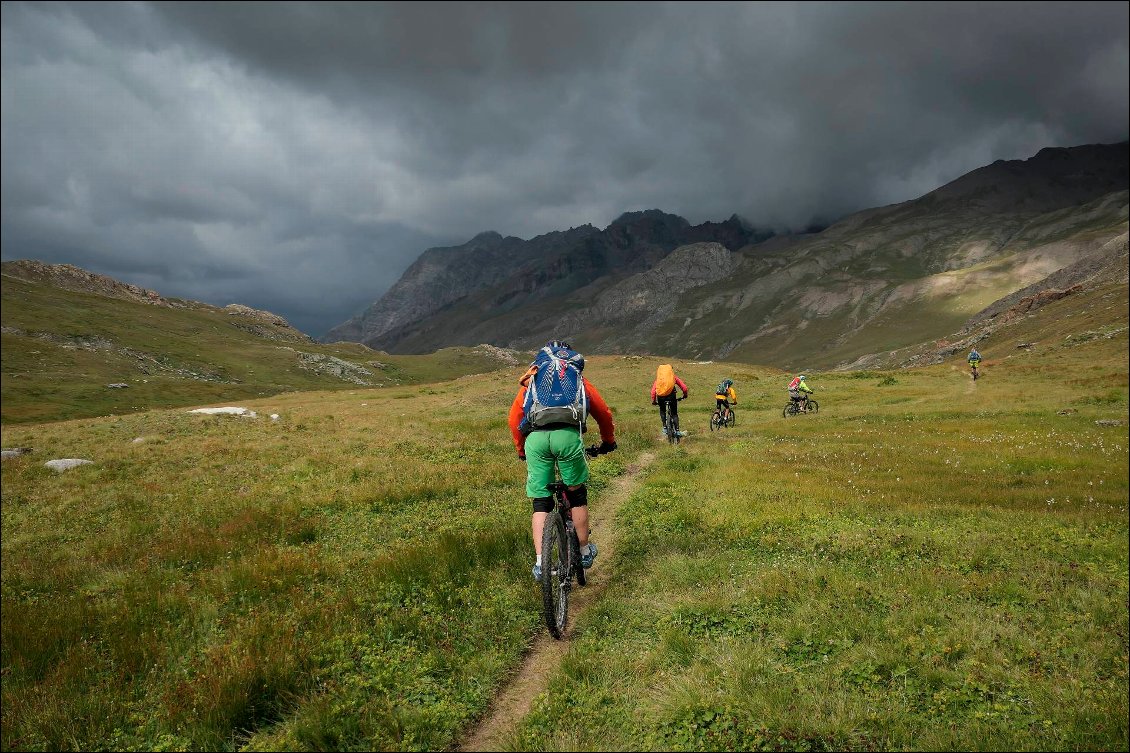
[[598, 409]]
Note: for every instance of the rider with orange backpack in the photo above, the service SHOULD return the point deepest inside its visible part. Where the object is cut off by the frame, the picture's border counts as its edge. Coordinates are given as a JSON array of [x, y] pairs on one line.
[[663, 395]]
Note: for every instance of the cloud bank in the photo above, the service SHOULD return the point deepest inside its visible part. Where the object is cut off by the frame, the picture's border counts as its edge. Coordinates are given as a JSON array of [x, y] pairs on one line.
[[298, 156]]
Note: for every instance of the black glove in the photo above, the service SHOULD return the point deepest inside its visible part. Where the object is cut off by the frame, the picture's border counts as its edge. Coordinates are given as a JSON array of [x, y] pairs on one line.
[[655, 402], [606, 447], [522, 457]]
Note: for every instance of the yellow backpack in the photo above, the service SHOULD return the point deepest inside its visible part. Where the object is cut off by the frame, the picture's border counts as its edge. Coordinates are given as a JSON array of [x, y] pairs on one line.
[[664, 380]]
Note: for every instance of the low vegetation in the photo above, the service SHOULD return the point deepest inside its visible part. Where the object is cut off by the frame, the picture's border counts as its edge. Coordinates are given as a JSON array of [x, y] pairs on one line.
[[927, 563]]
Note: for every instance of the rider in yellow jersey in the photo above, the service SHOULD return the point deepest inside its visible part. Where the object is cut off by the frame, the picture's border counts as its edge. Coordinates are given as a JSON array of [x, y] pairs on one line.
[[726, 396]]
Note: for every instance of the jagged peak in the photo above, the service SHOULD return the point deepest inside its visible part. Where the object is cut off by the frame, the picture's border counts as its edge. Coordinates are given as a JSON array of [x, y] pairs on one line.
[[656, 214]]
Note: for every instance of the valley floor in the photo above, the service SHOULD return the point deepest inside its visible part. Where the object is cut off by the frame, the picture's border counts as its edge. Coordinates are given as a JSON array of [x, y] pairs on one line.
[[927, 563]]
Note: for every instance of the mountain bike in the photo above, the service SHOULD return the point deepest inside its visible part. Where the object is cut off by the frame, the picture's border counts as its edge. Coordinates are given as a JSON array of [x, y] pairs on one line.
[[792, 408], [976, 372], [722, 417], [671, 424], [560, 557]]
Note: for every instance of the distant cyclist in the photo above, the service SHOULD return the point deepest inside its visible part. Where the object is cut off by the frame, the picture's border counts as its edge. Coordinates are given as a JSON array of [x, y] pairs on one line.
[[726, 396], [663, 395], [974, 360], [547, 419], [799, 392]]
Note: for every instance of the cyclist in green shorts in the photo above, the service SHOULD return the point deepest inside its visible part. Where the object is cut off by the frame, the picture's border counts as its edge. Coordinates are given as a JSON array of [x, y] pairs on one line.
[[547, 419]]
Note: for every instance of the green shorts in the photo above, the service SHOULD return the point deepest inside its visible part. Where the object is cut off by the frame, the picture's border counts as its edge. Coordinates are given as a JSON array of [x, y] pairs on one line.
[[562, 447]]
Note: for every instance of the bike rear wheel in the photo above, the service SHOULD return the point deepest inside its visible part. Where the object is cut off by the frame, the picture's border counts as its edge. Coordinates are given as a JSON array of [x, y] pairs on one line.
[[555, 565], [790, 410], [672, 432], [715, 421]]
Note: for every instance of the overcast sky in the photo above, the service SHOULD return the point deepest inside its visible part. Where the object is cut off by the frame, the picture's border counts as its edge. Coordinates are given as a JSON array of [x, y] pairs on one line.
[[299, 156]]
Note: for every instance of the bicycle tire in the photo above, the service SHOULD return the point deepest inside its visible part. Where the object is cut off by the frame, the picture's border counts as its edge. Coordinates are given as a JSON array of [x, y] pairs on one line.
[[715, 421], [813, 406], [669, 428], [790, 410], [555, 565], [575, 553], [731, 419]]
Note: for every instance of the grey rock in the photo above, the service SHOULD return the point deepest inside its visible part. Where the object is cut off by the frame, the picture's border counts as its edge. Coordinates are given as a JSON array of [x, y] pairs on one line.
[[65, 464]]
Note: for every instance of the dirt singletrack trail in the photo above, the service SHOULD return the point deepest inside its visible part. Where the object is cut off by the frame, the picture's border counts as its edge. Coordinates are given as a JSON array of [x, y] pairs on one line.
[[517, 695]]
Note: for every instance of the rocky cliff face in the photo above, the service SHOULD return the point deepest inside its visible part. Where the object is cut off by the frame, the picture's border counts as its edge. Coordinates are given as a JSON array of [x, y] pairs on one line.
[[492, 275], [879, 279]]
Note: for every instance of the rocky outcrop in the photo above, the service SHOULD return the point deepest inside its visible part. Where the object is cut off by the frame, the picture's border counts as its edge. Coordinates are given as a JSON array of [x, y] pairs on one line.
[[264, 324], [335, 367]]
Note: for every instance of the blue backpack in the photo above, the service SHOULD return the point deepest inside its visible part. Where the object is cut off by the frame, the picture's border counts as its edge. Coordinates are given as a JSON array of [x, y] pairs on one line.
[[556, 393]]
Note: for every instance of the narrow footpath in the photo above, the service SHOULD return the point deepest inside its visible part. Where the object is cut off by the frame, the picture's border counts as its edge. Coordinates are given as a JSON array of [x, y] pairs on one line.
[[514, 700]]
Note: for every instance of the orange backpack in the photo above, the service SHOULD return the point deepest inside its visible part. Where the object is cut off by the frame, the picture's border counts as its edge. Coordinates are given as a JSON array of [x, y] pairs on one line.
[[664, 380]]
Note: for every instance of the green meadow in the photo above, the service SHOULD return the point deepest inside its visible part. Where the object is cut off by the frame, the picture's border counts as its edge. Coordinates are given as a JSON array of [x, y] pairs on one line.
[[928, 563]]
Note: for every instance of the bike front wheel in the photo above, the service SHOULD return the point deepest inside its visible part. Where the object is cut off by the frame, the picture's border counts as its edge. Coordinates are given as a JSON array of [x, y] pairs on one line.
[[555, 565], [731, 419], [813, 406]]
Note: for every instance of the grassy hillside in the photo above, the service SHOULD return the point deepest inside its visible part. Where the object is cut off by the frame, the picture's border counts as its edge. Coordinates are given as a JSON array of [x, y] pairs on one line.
[[880, 286], [61, 348]]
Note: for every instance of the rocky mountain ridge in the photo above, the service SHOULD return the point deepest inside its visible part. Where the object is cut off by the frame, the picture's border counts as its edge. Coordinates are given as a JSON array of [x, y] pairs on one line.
[[876, 280], [514, 272]]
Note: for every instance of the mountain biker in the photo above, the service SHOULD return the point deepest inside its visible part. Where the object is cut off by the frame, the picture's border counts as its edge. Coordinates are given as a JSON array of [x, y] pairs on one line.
[[974, 359], [799, 392], [558, 444], [726, 396], [663, 395]]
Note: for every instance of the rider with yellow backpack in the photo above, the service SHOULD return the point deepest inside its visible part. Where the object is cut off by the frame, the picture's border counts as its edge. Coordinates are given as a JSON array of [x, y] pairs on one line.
[[663, 395]]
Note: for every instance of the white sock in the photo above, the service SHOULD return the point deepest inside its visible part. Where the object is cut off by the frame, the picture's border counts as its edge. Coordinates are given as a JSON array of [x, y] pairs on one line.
[[537, 560], [586, 549]]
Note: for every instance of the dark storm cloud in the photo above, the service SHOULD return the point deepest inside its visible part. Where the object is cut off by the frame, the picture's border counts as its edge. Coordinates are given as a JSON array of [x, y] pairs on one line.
[[298, 156]]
